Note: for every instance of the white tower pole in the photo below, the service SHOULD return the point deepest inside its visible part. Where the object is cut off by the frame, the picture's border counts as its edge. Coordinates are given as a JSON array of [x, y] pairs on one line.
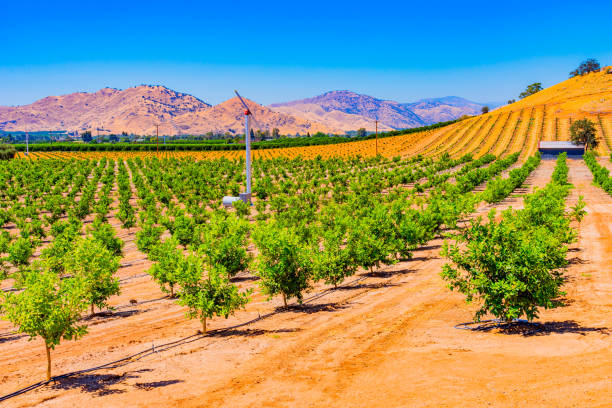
[[27, 144], [247, 138]]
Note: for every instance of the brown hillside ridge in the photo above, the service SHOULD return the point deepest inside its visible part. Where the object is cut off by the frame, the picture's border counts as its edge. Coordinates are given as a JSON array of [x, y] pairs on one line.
[[546, 115], [584, 94], [349, 110], [137, 110], [228, 116]]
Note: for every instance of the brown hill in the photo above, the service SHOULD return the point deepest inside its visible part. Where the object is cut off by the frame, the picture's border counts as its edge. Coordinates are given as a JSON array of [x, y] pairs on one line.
[[134, 110], [138, 109], [228, 116], [390, 114], [350, 111], [334, 118]]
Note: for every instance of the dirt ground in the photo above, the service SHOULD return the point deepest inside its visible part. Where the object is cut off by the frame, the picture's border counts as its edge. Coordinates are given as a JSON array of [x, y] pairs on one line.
[[386, 339]]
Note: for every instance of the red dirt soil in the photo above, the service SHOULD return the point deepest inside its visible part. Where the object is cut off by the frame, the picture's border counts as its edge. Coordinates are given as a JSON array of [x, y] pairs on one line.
[[385, 339]]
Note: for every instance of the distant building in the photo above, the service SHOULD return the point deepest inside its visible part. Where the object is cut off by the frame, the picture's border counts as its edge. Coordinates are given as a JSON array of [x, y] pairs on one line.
[[550, 150]]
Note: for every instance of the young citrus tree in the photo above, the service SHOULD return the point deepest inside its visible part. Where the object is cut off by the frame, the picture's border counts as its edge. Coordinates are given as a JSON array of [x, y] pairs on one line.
[[512, 270], [95, 265], [333, 262], [148, 236], [167, 267], [284, 264], [104, 233], [20, 251], [208, 295], [224, 241], [48, 307]]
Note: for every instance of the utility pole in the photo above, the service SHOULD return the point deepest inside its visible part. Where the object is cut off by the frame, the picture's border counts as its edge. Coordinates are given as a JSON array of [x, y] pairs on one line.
[[247, 139], [27, 144], [157, 138], [376, 121]]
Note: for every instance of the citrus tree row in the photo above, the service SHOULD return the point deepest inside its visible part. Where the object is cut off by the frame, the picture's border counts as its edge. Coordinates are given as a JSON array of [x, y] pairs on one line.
[[324, 220], [512, 263]]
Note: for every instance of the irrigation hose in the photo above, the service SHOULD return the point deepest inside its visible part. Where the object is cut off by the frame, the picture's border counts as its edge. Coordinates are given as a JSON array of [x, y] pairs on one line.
[[166, 346]]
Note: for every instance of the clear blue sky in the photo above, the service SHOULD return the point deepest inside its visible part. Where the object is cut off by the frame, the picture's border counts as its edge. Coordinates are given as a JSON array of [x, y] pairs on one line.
[[279, 51]]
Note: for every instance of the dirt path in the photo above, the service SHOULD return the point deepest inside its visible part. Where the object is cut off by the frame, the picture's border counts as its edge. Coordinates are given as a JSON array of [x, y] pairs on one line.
[[388, 340]]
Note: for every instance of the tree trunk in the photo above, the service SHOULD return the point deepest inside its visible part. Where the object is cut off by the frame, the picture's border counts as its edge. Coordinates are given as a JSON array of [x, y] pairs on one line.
[[92, 309], [171, 291], [48, 350], [203, 324], [285, 299]]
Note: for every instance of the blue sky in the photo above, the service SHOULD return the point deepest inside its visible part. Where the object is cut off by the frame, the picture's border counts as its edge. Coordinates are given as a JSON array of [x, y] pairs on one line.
[[279, 51]]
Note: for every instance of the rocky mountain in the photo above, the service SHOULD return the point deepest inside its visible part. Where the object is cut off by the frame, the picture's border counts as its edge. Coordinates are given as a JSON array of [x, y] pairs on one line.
[[435, 110], [138, 109], [228, 116], [349, 111], [390, 114], [134, 110]]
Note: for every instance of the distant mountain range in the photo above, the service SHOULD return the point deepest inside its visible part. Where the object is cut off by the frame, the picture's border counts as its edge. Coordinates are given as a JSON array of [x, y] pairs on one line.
[[139, 109]]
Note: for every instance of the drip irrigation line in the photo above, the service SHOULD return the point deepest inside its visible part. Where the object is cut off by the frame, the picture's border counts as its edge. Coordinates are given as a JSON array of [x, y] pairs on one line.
[[133, 277], [482, 324], [167, 346]]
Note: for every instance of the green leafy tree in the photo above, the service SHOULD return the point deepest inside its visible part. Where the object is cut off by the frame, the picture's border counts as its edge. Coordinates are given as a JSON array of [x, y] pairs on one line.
[[224, 242], [105, 234], [333, 262], [126, 215], [208, 295], [583, 131], [284, 264], [48, 307], [485, 109], [20, 251], [361, 132], [242, 209], [512, 270], [55, 253], [183, 229], [95, 265], [167, 268], [511, 101], [148, 236], [531, 89], [577, 211]]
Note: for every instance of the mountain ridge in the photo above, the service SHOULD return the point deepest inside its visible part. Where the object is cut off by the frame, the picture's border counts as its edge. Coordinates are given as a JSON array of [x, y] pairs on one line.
[[390, 114], [140, 108]]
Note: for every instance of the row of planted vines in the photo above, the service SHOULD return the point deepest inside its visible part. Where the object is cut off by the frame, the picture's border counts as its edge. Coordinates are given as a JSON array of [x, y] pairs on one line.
[[321, 220]]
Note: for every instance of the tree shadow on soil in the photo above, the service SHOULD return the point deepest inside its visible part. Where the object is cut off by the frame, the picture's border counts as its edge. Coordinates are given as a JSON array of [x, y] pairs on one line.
[[312, 308], [367, 286], [419, 258], [101, 384], [156, 384], [388, 274], [247, 278], [98, 384], [577, 261], [426, 248], [11, 337], [528, 329], [248, 332], [106, 315]]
